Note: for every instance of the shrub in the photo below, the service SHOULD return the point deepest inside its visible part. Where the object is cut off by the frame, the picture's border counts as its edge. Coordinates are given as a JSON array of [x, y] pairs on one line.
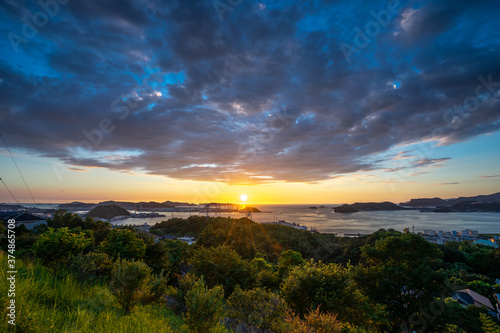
[[287, 260], [205, 307], [54, 246], [155, 289], [222, 266], [488, 325], [330, 286], [158, 257], [258, 308], [129, 282], [123, 243], [314, 322], [91, 266]]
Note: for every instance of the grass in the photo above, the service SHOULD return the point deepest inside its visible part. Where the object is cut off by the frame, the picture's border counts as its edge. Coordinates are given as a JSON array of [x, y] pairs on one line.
[[46, 303]]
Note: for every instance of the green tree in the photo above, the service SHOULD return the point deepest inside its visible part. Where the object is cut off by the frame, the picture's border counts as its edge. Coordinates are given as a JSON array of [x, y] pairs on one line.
[[264, 273], [205, 307], [157, 256], [332, 287], [63, 218], [257, 308], [287, 260], [401, 273], [54, 246], [222, 266], [123, 243], [488, 325], [444, 314], [130, 281]]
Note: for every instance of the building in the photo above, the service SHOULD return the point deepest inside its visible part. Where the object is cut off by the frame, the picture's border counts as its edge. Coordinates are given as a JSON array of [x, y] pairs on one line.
[[497, 304], [468, 297], [22, 218], [187, 239], [485, 243]]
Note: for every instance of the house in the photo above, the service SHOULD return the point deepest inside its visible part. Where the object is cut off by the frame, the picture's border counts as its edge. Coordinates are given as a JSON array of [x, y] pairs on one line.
[[24, 218], [497, 304], [468, 297], [187, 239]]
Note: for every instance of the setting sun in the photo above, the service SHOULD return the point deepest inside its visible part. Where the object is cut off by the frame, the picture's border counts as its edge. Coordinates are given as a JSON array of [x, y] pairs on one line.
[[243, 197]]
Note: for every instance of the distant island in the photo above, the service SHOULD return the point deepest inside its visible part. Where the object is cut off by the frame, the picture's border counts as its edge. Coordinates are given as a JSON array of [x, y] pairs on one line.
[[108, 212], [367, 206], [345, 209], [250, 210]]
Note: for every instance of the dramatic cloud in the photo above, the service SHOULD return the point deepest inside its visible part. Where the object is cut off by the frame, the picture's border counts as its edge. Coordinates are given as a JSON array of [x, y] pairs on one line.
[[264, 95]]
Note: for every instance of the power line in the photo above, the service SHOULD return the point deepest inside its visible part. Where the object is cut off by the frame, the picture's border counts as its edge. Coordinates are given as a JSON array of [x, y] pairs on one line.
[[17, 169], [9, 191]]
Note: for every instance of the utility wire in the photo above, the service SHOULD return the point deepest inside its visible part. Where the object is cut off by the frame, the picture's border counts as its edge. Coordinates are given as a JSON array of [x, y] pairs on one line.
[[9, 191], [17, 169]]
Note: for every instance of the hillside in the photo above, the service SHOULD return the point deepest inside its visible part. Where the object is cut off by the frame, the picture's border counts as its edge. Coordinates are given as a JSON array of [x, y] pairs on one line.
[[58, 302], [424, 202], [108, 212], [471, 206]]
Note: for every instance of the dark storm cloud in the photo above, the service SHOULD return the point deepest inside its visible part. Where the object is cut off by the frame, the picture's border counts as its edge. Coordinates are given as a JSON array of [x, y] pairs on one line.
[[265, 95]]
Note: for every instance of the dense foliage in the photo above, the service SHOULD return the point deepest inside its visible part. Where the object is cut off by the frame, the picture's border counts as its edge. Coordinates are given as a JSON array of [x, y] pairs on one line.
[[54, 246], [241, 275]]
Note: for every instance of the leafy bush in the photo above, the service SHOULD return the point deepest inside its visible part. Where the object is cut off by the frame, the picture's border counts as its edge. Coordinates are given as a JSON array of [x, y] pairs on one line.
[[205, 307], [222, 266], [264, 273], [54, 246], [129, 282], [257, 308], [123, 243], [314, 322], [157, 256], [330, 286], [287, 260], [91, 266], [488, 325]]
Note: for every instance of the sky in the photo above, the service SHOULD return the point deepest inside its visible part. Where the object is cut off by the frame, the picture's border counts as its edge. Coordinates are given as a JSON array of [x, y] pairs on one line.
[[285, 101]]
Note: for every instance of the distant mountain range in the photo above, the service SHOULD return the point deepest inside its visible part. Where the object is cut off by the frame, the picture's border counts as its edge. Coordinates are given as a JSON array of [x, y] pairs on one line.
[[76, 205], [426, 202]]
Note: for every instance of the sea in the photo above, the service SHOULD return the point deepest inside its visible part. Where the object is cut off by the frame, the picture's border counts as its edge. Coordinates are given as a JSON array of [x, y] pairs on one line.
[[325, 220]]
